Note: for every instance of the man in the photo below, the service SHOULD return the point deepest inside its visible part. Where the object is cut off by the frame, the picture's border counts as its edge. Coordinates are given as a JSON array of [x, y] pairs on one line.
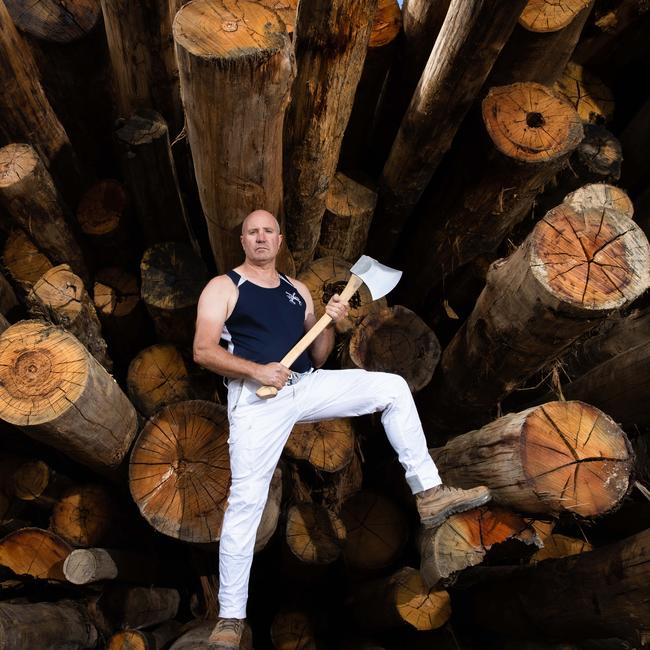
[[263, 314]]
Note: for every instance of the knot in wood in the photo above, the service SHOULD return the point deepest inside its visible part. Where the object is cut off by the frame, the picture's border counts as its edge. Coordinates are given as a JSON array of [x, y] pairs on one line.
[[230, 26], [535, 120], [330, 288], [32, 368]]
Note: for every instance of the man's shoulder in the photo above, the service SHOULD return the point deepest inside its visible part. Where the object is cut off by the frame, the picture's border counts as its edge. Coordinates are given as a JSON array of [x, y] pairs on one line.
[[220, 284]]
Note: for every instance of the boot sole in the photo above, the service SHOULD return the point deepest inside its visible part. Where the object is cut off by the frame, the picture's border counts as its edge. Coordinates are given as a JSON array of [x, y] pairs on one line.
[[440, 517]]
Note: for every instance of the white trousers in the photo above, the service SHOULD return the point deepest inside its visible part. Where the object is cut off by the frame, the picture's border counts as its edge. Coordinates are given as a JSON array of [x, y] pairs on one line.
[[259, 430]]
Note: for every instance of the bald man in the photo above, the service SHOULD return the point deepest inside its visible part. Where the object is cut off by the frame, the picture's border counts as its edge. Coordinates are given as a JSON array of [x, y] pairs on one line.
[[261, 314]]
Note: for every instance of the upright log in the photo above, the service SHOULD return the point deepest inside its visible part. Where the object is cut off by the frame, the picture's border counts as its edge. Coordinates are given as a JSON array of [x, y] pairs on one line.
[[330, 43], [606, 596], [64, 625], [25, 113], [239, 52], [532, 132], [55, 391], [22, 259], [469, 41], [61, 298], [558, 457], [573, 269], [30, 197]]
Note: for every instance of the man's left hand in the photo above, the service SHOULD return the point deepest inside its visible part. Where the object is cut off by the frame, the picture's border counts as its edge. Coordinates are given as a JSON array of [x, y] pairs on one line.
[[336, 309]]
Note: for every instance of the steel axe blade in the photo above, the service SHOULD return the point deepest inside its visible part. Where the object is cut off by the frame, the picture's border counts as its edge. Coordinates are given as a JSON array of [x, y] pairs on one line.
[[379, 278]]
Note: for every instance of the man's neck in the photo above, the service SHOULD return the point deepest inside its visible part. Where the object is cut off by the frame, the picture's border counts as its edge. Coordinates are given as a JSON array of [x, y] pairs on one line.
[[263, 273]]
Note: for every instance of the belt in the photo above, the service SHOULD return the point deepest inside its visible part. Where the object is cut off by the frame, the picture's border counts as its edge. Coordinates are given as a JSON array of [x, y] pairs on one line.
[[295, 377]]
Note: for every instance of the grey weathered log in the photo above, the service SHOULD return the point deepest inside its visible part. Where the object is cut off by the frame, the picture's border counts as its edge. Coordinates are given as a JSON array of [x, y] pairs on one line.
[[86, 565]]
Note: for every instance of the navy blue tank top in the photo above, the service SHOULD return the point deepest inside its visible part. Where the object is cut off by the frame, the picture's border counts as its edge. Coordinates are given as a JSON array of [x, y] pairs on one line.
[[266, 322]]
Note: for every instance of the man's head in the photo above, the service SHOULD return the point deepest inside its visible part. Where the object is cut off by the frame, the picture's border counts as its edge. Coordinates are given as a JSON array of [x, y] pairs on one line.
[[260, 236]]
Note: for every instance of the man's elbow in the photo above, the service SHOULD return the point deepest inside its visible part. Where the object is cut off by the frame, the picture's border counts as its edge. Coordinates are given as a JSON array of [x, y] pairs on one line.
[[199, 354]]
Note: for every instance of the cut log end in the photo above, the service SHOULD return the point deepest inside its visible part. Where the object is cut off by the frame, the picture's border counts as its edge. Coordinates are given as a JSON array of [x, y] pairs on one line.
[[327, 445], [386, 23], [179, 471], [116, 292], [102, 207], [531, 123], [418, 605], [292, 630], [16, 162], [228, 30], [61, 290], [314, 534], [550, 15], [594, 259], [31, 479], [143, 128], [576, 457], [25, 263], [34, 552], [592, 99], [601, 196]]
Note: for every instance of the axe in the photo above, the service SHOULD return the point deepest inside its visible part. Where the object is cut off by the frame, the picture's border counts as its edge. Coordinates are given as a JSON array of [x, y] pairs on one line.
[[379, 279]]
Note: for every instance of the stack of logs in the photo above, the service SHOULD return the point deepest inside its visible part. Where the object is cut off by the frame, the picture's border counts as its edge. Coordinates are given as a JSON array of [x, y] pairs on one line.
[[476, 145]]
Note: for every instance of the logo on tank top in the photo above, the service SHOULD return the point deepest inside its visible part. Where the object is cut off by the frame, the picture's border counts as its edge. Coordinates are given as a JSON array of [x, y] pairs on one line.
[[293, 298]]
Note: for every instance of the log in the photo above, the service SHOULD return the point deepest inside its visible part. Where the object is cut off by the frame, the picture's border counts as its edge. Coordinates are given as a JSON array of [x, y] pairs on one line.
[[63, 625], [469, 42], [557, 546], [150, 175], [173, 277], [557, 457], [179, 473], [591, 98], [8, 298], [314, 534], [340, 486], [160, 375], [34, 552], [221, 54], [142, 58], [330, 44], [349, 207], [572, 271], [401, 599], [376, 531], [464, 539], [396, 340], [271, 512], [293, 630], [327, 445], [607, 596], [386, 26], [328, 276], [4, 323], [55, 391], [600, 196], [635, 139], [88, 565], [532, 132], [155, 639], [22, 259], [28, 194], [25, 113], [197, 638], [541, 44], [37, 483], [61, 298]]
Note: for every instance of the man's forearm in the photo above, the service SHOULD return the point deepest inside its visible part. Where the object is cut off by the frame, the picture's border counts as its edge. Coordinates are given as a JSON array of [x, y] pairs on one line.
[[321, 348], [224, 363]]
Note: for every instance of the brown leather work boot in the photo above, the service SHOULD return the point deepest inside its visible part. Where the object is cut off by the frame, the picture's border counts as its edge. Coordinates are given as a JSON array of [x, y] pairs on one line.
[[227, 634], [438, 503]]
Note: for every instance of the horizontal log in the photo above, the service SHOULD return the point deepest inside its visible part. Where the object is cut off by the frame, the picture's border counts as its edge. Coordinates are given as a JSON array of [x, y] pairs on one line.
[[291, 630], [23, 260], [85, 566], [314, 534], [196, 638], [591, 98], [34, 552], [327, 445], [556, 546], [155, 639]]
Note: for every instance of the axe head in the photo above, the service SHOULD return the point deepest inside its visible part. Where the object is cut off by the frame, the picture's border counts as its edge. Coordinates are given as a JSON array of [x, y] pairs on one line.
[[379, 278]]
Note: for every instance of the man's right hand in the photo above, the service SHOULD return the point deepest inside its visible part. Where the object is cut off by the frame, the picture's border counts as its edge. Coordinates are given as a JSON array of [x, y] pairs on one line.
[[273, 374]]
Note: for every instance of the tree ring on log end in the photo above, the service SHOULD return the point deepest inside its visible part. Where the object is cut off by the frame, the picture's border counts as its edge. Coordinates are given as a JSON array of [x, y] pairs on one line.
[[575, 458], [601, 196], [594, 259], [531, 123], [592, 99], [55, 20], [43, 371], [422, 607], [314, 534], [179, 472], [61, 290], [386, 23], [25, 263], [328, 445], [550, 15], [116, 292], [16, 162], [31, 479], [102, 207], [229, 29]]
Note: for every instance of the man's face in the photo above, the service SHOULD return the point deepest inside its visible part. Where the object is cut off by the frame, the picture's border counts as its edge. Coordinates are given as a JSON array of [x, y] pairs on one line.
[[260, 237]]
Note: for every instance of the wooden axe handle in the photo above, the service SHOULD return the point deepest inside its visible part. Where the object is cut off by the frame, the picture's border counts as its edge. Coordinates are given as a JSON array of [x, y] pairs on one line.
[[264, 392]]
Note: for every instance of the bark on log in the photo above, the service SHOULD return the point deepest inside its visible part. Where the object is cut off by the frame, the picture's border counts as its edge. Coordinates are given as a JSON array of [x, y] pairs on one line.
[[173, 277], [197, 638], [349, 207], [328, 276], [376, 531], [314, 534], [561, 456], [572, 270], [85, 566], [150, 175], [156, 639], [55, 391], [293, 630], [142, 57], [4, 323], [8, 298], [327, 445], [22, 259], [179, 472], [25, 113], [557, 546], [61, 298], [591, 98], [401, 599], [606, 596], [63, 625], [330, 43], [396, 340], [469, 42], [532, 131], [464, 539], [30, 197], [342, 485], [542, 43], [34, 552], [240, 52]]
